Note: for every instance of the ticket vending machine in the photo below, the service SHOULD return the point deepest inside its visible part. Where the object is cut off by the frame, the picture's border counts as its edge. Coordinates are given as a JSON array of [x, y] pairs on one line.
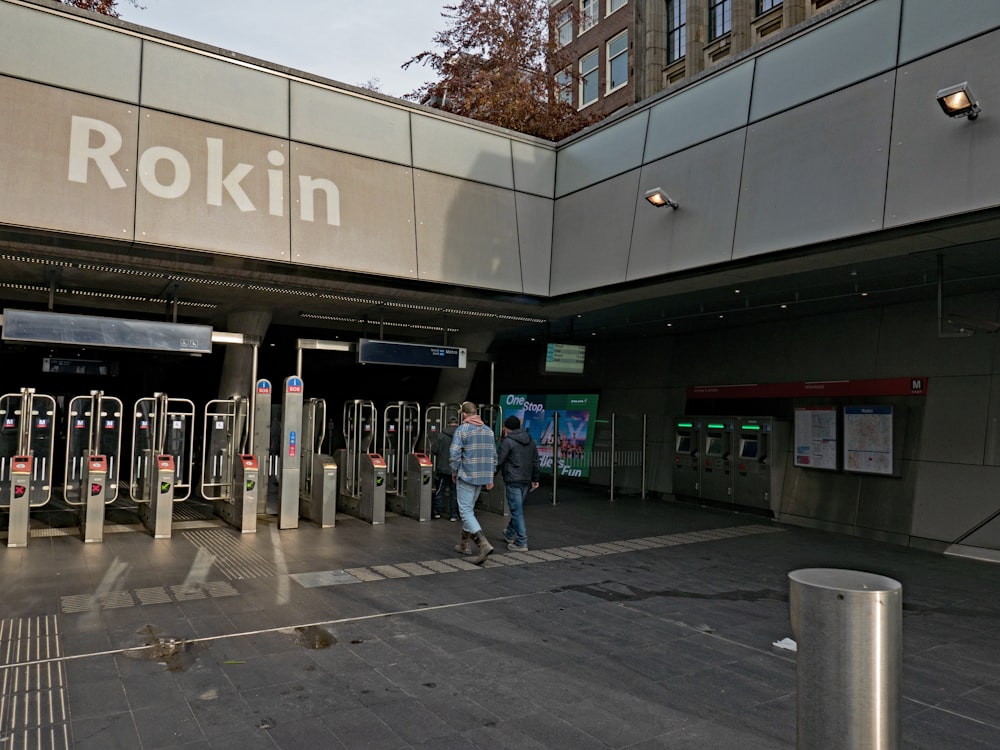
[[291, 459], [494, 500], [762, 453], [717, 459], [227, 457], [26, 446], [687, 458], [93, 459], [318, 483], [361, 474], [162, 459]]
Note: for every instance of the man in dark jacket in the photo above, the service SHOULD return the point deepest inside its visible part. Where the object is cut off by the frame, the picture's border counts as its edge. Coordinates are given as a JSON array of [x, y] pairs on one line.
[[518, 460], [442, 457]]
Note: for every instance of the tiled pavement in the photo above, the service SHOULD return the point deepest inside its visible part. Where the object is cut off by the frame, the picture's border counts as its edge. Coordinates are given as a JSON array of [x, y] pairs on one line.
[[633, 624]]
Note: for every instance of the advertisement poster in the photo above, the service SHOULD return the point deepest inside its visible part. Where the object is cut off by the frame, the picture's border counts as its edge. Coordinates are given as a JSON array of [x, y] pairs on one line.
[[577, 419]]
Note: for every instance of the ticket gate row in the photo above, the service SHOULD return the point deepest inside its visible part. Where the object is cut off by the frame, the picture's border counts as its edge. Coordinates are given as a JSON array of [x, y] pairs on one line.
[[739, 460]]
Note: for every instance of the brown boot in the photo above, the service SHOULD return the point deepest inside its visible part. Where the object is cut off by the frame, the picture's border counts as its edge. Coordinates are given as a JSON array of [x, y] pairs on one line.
[[485, 548], [462, 547]]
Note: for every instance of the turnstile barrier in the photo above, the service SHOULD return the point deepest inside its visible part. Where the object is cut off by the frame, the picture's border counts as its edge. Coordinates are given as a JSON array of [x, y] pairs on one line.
[[26, 449], [229, 470], [162, 457], [93, 459]]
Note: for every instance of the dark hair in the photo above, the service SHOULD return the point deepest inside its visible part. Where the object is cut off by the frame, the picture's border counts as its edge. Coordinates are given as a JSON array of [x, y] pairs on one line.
[[512, 423]]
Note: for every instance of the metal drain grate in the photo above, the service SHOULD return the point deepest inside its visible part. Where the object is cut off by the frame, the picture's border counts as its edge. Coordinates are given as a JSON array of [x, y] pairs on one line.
[[33, 695]]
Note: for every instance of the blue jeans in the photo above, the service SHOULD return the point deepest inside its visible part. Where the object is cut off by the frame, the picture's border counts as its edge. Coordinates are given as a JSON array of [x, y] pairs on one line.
[[445, 484], [467, 496], [515, 494]]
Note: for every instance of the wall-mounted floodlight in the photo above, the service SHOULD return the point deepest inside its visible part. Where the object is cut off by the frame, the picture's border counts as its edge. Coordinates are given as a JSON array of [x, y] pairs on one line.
[[958, 101], [657, 197]]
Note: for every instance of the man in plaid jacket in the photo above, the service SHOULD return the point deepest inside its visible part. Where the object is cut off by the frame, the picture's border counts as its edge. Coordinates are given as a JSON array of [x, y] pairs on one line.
[[473, 466]]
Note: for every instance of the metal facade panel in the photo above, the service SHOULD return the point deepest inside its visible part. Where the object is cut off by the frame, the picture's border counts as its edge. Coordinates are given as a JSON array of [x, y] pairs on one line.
[[374, 232], [705, 181], [466, 233], [534, 168], [349, 123], [939, 165], [816, 172], [909, 345], [63, 52], [610, 151], [851, 48], [592, 231], [951, 499], [461, 151], [930, 25], [713, 107], [227, 201], [187, 83], [534, 231], [955, 419], [47, 183]]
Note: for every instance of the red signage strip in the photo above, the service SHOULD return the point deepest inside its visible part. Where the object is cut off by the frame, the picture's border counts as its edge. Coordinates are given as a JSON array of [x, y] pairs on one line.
[[916, 386]]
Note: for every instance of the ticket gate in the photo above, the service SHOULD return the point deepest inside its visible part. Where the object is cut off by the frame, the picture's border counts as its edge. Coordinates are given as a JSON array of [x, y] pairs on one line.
[[26, 449], [717, 459], [93, 459], [760, 461], [436, 417], [687, 459], [267, 448], [162, 458], [409, 482], [230, 471], [361, 474], [494, 500], [289, 478], [318, 478]]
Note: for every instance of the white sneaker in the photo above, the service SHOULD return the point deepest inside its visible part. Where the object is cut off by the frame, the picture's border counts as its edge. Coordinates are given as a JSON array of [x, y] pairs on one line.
[[513, 547]]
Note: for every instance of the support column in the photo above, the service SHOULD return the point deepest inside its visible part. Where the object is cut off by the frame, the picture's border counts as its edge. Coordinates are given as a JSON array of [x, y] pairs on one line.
[[453, 384], [237, 369]]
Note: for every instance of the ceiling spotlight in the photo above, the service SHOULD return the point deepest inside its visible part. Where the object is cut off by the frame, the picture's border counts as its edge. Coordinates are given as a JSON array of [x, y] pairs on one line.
[[958, 101], [657, 197]]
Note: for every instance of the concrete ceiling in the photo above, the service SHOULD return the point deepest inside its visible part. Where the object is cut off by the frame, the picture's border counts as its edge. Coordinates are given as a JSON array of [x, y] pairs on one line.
[[76, 275]]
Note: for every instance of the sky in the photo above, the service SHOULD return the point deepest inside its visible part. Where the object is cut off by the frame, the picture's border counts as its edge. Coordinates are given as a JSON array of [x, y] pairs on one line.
[[351, 41]]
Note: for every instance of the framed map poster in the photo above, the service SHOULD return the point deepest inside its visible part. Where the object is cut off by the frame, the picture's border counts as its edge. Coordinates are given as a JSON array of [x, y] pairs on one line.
[[868, 439]]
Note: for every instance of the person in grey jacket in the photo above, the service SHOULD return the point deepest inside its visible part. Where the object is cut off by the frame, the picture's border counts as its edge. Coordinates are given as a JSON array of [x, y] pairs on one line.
[[517, 459]]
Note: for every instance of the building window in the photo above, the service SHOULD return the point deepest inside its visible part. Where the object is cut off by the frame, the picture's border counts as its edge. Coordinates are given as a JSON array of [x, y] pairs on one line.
[[614, 5], [676, 29], [588, 79], [564, 85], [763, 6], [564, 27], [588, 14], [720, 18], [617, 57]]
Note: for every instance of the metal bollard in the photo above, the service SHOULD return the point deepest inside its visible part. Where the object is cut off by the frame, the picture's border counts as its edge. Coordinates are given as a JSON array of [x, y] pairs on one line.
[[848, 627]]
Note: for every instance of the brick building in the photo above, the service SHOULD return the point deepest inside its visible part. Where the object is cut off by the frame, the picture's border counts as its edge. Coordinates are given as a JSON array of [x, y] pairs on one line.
[[619, 52]]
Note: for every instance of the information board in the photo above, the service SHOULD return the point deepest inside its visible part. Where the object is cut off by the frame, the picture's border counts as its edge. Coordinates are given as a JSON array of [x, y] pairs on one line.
[[868, 439], [567, 359], [816, 437], [371, 351]]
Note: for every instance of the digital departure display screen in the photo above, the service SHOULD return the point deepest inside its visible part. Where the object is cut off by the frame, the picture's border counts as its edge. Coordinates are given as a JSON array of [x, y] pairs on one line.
[[371, 351], [567, 359]]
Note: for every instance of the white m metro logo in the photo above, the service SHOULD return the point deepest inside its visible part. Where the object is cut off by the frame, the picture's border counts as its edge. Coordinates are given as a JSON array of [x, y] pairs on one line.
[[82, 155]]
